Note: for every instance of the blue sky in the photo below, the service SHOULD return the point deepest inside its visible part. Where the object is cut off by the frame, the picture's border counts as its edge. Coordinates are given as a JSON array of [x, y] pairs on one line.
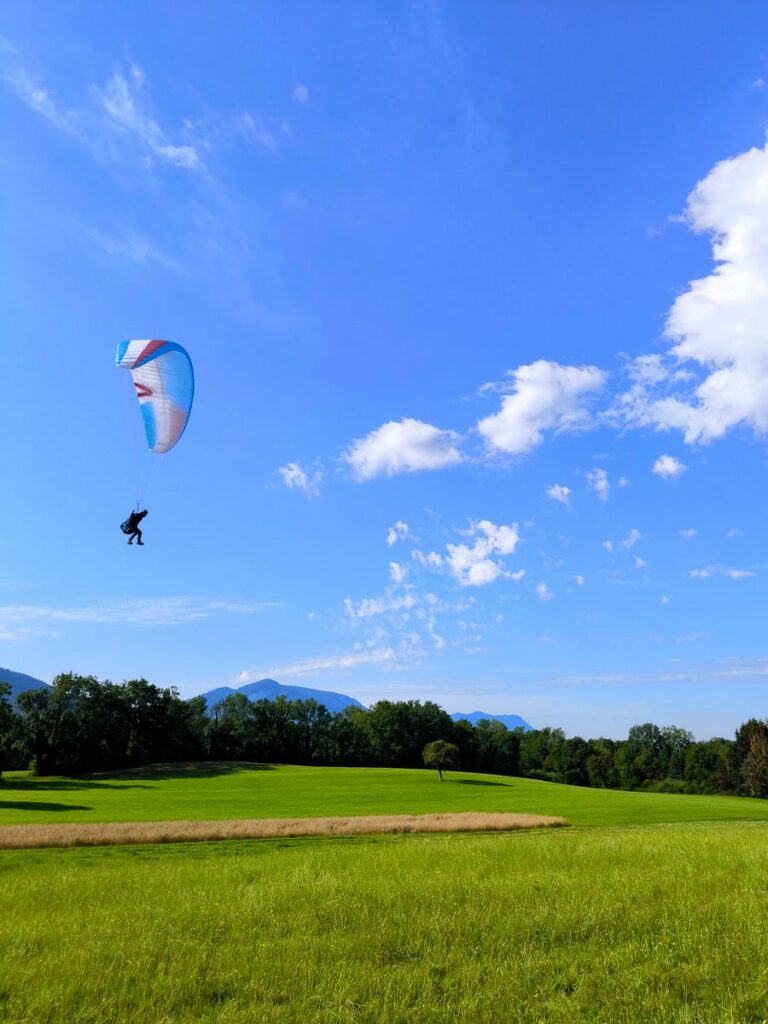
[[476, 299]]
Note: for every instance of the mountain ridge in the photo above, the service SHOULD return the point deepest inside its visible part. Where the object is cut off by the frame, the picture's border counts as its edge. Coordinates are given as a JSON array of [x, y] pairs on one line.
[[511, 721], [270, 689], [20, 682]]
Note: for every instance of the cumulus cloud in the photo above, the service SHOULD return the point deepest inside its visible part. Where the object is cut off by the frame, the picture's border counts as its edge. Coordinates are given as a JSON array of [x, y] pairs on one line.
[[407, 446], [668, 467], [544, 396], [597, 479], [430, 559], [398, 531], [397, 572], [543, 592], [300, 93], [688, 534], [579, 580], [297, 478], [472, 565], [717, 326], [631, 539], [559, 492]]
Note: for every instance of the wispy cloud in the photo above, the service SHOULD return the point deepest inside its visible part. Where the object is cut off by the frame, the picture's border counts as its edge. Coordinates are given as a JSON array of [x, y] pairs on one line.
[[737, 670], [33, 92], [721, 570], [132, 246], [314, 666], [125, 106], [20, 621]]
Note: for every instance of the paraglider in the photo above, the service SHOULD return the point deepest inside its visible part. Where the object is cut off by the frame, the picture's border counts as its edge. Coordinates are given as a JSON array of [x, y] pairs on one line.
[[131, 526], [165, 386]]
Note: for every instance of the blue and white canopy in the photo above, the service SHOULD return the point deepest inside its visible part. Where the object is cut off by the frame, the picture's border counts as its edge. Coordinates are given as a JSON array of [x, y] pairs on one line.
[[165, 386]]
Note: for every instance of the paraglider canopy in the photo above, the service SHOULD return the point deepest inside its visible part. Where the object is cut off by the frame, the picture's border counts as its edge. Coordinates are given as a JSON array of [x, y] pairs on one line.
[[165, 386]]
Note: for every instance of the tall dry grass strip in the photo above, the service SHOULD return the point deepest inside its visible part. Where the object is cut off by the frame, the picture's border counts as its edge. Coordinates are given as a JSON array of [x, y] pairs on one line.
[[18, 837]]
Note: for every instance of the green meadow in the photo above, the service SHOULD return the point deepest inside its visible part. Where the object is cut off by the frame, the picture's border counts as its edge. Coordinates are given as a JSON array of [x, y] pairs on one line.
[[197, 792], [654, 910]]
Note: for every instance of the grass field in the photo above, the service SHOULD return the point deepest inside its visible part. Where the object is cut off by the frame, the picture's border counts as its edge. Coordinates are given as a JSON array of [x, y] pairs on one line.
[[615, 926], [655, 912], [214, 792]]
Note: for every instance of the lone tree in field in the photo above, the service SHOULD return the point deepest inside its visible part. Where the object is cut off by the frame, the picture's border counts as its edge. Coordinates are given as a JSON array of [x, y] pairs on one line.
[[441, 755]]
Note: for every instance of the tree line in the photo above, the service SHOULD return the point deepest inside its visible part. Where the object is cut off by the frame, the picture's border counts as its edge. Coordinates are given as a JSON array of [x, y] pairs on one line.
[[83, 724]]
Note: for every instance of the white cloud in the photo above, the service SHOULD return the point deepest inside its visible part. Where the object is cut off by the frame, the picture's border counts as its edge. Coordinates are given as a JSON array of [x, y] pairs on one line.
[[640, 563], [717, 326], [398, 531], [311, 666], [688, 534], [21, 621], [579, 580], [559, 492], [300, 93], [255, 130], [38, 97], [607, 545], [133, 246], [472, 566], [648, 369], [631, 539], [122, 101], [668, 467], [397, 572], [408, 446], [663, 599], [544, 396], [720, 570], [307, 481], [368, 607], [597, 479], [430, 560], [543, 592]]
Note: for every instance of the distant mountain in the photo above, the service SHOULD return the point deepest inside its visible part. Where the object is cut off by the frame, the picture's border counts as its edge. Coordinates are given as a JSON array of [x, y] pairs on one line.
[[269, 689], [511, 721], [19, 682]]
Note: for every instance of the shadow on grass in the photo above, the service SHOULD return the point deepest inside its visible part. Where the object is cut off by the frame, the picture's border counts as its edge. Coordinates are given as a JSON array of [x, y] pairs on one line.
[[133, 778], [187, 770], [29, 805], [70, 784], [479, 782]]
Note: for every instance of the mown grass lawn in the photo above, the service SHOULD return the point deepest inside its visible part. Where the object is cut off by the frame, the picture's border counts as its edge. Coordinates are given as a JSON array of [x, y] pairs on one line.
[[234, 791], [592, 925]]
